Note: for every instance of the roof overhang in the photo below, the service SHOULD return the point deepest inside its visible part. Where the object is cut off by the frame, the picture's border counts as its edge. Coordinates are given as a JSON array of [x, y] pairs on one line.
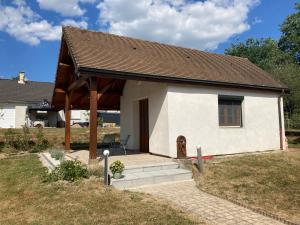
[[74, 79], [170, 79]]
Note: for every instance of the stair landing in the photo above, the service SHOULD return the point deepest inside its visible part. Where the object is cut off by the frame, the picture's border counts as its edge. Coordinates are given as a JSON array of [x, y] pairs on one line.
[[148, 174]]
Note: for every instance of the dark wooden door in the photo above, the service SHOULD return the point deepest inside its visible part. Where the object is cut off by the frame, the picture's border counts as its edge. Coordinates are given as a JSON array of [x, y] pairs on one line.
[[144, 126]]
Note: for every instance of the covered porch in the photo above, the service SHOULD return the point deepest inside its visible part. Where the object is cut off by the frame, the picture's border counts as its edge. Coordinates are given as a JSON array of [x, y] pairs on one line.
[[134, 158], [87, 88]]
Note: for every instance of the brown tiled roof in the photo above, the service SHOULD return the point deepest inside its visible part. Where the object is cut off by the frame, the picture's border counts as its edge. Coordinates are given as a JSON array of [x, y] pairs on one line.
[[108, 52]]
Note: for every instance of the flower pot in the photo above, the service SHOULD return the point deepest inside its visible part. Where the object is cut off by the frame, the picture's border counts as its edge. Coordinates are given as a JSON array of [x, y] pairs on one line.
[[117, 175]]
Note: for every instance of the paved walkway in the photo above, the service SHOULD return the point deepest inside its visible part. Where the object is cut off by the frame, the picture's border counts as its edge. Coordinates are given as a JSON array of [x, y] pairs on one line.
[[215, 210], [128, 160]]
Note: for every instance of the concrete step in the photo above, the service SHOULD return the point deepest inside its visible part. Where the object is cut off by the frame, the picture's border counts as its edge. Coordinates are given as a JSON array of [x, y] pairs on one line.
[[132, 180], [151, 167], [48, 161]]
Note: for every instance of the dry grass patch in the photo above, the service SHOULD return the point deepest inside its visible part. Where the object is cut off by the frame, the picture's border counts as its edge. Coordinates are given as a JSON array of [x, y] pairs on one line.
[[56, 136], [270, 182], [24, 199]]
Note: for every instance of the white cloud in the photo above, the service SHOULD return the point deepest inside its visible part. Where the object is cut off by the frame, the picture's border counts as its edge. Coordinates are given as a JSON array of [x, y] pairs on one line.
[[80, 24], [256, 21], [27, 26], [196, 24], [64, 7]]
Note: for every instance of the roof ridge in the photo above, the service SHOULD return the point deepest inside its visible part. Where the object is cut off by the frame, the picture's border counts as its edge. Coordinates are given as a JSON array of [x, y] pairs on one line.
[[153, 42]]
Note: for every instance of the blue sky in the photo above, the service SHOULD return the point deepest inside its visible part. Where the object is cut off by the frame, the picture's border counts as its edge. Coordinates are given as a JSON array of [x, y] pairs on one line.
[[30, 30]]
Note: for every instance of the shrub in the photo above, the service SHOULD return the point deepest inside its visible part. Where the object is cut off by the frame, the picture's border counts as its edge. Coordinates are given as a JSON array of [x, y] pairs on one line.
[[10, 137], [295, 120], [57, 154], [69, 171], [24, 141], [18, 141], [117, 167], [41, 142]]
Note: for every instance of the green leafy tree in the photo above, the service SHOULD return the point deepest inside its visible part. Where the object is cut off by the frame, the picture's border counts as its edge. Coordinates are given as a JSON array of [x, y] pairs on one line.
[[290, 39], [262, 52], [266, 54]]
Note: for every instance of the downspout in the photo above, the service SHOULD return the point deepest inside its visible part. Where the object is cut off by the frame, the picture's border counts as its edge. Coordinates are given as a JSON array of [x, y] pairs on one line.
[[280, 119]]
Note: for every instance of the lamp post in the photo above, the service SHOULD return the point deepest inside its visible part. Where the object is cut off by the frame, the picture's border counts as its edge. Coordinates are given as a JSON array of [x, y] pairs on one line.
[[199, 159], [106, 154]]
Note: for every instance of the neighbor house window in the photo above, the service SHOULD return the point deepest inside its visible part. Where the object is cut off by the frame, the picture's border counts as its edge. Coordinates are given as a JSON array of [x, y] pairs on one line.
[[230, 110]]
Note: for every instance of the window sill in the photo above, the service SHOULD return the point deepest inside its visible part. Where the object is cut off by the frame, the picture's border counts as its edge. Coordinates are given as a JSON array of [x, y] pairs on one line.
[[230, 126]]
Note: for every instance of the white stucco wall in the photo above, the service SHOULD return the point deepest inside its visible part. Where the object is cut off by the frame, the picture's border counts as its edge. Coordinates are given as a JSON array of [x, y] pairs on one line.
[[193, 112], [158, 116], [77, 116], [7, 115], [21, 115]]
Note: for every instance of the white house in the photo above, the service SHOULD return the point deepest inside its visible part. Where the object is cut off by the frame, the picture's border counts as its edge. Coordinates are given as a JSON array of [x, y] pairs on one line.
[[220, 120], [28, 102], [170, 96]]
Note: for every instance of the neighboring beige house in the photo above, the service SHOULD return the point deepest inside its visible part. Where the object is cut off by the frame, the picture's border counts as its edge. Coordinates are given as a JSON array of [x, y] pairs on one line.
[[28, 102]]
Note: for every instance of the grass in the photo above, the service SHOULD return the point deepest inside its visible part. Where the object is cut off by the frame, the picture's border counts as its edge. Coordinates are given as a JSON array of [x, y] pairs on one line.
[[270, 182], [24, 199], [294, 141]]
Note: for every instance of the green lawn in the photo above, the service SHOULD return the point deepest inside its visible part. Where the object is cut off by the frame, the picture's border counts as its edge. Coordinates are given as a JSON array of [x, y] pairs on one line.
[[24, 199], [270, 182]]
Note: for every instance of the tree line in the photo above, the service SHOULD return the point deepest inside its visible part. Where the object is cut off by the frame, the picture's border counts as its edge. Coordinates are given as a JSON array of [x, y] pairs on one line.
[[281, 59]]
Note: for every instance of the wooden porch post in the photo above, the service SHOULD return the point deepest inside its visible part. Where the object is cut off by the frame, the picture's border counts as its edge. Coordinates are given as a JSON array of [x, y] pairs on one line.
[[67, 122], [93, 118]]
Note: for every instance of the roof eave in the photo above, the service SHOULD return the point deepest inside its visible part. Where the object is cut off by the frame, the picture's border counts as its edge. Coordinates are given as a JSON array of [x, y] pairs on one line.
[[152, 77]]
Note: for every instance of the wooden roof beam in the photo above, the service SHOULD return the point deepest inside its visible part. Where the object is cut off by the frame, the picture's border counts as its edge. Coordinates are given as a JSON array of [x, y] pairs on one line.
[[59, 90], [104, 89], [64, 65], [77, 84]]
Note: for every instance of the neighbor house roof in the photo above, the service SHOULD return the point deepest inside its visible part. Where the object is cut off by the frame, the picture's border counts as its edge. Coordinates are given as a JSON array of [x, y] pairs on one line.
[[107, 53], [31, 92]]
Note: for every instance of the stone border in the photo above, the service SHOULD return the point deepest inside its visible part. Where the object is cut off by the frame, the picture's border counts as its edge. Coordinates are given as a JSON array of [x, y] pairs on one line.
[[48, 161], [259, 211]]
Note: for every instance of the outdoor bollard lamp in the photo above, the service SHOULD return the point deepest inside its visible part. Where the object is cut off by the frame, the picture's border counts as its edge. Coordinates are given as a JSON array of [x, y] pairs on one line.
[[106, 154], [199, 159]]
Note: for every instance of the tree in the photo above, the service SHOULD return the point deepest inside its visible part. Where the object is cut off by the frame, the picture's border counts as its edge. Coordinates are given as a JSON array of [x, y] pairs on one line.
[[290, 39], [262, 52], [289, 75], [266, 54]]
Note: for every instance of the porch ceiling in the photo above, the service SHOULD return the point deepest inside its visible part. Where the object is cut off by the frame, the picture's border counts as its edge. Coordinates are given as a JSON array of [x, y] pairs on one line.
[[78, 86]]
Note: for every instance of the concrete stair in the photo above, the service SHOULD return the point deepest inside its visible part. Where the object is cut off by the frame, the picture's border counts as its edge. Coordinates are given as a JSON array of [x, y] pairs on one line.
[[48, 161], [135, 176]]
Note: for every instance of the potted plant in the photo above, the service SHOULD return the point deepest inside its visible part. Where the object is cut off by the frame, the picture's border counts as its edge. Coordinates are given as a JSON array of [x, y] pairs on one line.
[[117, 168]]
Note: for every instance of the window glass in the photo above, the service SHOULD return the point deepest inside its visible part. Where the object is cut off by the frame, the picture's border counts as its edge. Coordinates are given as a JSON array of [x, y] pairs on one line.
[[230, 111]]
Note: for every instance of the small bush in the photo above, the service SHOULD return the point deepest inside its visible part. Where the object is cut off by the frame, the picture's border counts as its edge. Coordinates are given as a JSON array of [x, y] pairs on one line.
[[24, 141], [57, 154], [69, 171], [41, 142], [17, 141], [295, 121], [117, 167], [10, 137]]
